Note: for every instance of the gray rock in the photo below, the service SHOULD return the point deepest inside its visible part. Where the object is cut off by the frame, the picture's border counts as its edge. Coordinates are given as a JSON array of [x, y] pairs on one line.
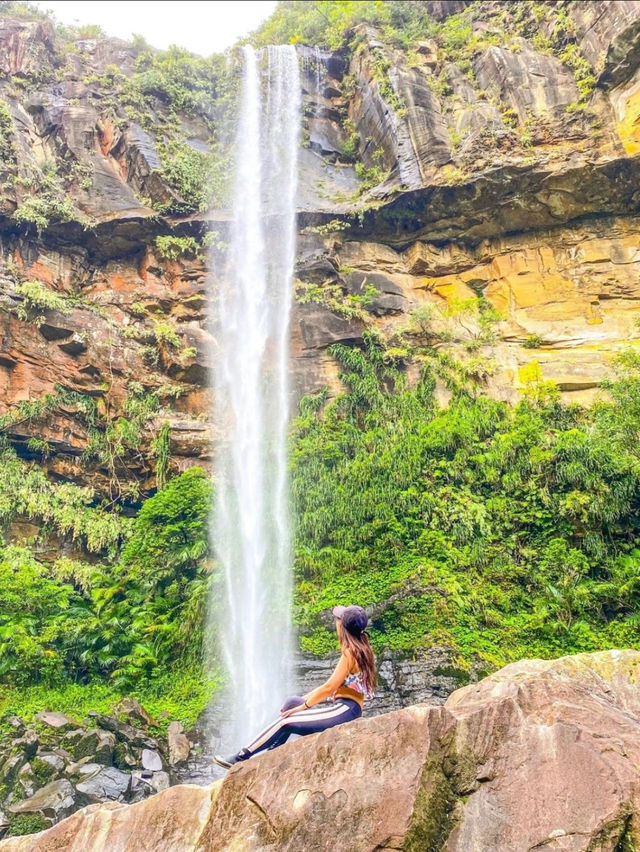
[[390, 298], [29, 743], [53, 760], [160, 781], [133, 710], [26, 780], [319, 327], [439, 10], [608, 37], [98, 744], [17, 723], [71, 738], [530, 82], [75, 768], [151, 760], [179, 746], [411, 132], [108, 783], [145, 783], [124, 732], [11, 767], [58, 721], [54, 801], [89, 769]]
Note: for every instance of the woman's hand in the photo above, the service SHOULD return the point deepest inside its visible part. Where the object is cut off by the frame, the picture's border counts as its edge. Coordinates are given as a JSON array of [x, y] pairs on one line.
[[297, 709]]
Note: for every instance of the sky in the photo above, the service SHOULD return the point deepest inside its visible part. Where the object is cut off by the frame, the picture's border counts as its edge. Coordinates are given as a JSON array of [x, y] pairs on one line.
[[202, 26]]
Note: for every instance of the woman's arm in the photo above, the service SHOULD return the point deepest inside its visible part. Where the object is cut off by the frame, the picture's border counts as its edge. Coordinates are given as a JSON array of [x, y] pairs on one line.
[[328, 688]]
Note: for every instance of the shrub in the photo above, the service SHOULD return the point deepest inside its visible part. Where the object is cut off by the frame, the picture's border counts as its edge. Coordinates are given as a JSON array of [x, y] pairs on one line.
[[36, 298], [173, 248]]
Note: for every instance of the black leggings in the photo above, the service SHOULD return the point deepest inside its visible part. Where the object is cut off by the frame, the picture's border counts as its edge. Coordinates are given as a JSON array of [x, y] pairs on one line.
[[311, 721]]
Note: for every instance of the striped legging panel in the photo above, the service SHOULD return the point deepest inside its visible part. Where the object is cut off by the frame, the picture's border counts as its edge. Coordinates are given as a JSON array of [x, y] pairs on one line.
[[309, 721]]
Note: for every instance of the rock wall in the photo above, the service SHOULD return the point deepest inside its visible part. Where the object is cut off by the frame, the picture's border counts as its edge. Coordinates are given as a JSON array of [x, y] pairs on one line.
[[503, 179], [542, 754]]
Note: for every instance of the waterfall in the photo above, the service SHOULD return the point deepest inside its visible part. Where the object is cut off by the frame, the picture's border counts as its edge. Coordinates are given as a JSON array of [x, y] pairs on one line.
[[250, 528]]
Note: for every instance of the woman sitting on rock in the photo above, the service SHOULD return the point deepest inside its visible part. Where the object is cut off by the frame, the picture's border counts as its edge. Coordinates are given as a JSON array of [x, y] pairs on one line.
[[353, 680]]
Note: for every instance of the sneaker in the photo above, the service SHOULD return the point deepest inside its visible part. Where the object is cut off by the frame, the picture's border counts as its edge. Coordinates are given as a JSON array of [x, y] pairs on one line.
[[228, 762]]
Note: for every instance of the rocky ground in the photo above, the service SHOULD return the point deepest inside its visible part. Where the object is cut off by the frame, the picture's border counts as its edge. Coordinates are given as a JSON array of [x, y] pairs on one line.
[[52, 768], [540, 755]]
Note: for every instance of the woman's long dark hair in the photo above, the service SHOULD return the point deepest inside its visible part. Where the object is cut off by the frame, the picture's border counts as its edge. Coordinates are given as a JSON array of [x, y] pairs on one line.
[[360, 649]]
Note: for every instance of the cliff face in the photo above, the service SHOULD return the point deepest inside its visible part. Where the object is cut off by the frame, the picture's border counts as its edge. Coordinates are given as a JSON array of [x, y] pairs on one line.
[[540, 755], [498, 162]]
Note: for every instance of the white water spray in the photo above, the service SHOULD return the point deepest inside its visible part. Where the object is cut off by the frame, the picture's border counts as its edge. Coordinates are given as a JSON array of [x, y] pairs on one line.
[[251, 525]]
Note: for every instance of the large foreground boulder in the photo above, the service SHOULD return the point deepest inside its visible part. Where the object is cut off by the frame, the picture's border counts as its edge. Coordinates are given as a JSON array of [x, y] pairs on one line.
[[541, 755]]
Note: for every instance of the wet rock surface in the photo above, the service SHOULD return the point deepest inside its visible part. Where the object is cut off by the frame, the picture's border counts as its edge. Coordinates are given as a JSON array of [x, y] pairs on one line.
[[540, 754]]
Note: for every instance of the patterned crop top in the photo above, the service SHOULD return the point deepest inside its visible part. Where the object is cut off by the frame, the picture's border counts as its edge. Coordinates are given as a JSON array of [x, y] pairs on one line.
[[356, 681]]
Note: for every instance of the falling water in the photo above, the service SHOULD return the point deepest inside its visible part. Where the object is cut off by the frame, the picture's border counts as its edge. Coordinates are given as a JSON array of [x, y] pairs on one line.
[[251, 524]]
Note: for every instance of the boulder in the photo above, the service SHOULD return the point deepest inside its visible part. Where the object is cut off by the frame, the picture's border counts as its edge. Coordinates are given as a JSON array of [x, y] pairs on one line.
[[132, 710], [26, 780], [97, 744], [28, 742], [75, 768], [54, 801], [144, 783], [54, 760], [179, 746], [169, 822], [57, 721], [151, 760], [107, 783], [544, 754], [124, 733]]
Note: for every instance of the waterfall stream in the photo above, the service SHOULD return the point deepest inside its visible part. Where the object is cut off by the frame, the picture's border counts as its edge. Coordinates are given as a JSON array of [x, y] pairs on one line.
[[250, 527]]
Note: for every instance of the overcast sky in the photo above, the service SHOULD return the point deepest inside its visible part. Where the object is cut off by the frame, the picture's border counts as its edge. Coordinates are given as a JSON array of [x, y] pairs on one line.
[[202, 26]]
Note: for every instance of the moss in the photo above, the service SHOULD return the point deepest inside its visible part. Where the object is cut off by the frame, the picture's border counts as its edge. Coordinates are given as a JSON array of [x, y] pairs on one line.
[[26, 824], [432, 818], [120, 755], [460, 676], [43, 772]]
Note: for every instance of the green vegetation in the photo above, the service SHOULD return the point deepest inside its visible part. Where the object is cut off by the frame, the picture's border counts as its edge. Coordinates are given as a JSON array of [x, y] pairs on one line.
[[173, 248], [503, 532], [48, 204], [164, 332], [26, 824], [329, 24], [533, 341], [131, 621], [8, 156], [37, 298], [166, 87]]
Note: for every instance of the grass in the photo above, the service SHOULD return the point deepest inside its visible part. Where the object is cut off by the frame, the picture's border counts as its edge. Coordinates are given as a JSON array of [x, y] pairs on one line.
[[180, 696]]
